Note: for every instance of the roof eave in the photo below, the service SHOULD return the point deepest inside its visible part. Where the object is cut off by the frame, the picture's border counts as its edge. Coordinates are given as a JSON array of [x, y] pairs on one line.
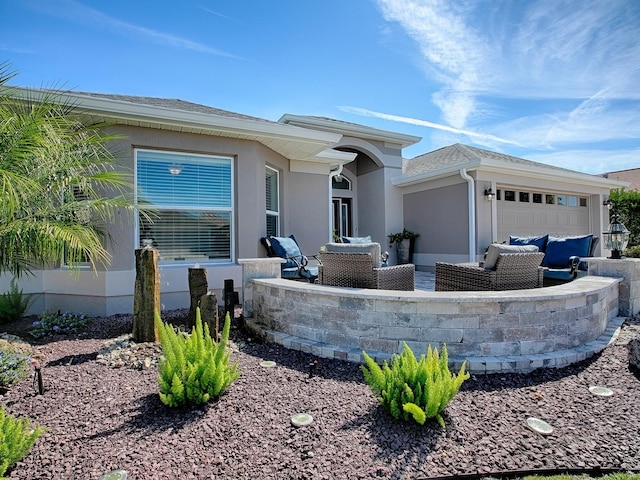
[[310, 142], [529, 171], [347, 129], [567, 176]]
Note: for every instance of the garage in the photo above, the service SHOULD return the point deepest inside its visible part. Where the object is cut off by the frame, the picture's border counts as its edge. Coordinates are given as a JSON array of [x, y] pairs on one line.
[[532, 213]]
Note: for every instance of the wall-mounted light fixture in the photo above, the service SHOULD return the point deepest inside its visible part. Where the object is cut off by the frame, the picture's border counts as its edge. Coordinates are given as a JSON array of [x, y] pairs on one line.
[[608, 203], [488, 194], [175, 169]]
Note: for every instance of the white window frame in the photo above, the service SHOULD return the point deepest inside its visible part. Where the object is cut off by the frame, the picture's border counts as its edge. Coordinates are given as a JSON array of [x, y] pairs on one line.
[[183, 160], [269, 212]]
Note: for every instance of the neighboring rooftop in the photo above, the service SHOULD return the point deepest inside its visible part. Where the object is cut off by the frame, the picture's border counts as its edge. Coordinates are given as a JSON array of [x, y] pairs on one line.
[[631, 175]]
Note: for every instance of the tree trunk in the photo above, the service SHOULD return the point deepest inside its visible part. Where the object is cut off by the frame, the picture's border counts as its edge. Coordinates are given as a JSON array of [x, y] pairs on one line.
[[146, 298], [197, 288]]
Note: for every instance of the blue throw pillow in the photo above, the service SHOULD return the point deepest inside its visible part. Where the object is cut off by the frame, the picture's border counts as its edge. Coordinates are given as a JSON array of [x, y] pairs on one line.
[[540, 242], [560, 249], [286, 247]]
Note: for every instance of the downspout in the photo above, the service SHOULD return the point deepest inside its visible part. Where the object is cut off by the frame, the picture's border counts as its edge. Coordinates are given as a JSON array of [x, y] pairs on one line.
[[332, 175], [471, 189]]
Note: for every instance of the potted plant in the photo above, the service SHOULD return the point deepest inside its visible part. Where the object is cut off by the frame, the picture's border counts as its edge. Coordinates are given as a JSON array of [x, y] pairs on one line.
[[404, 242]]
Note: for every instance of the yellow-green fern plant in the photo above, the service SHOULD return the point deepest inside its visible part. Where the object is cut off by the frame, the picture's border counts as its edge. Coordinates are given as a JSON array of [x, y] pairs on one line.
[[17, 438], [414, 389], [195, 368]]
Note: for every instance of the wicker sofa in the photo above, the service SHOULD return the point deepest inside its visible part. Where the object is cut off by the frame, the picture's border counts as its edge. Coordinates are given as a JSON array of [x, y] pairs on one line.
[[563, 257], [506, 267], [359, 265]]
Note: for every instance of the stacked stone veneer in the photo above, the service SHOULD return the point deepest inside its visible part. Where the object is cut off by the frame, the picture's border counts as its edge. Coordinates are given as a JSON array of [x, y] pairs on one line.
[[515, 331], [628, 270]]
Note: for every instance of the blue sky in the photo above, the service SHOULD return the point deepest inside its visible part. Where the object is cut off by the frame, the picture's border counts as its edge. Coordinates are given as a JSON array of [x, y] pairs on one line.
[[553, 81]]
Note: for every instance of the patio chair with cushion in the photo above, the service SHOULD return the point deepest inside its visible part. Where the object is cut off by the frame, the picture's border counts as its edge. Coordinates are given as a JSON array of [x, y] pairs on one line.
[[506, 267], [564, 256], [297, 265], [359, 265]]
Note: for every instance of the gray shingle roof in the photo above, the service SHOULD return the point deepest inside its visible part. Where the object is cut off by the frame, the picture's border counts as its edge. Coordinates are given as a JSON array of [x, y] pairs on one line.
[[171, 103], [459, 154]]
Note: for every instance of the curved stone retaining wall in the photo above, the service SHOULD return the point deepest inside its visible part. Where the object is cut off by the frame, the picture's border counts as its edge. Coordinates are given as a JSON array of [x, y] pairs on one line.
[[516, 331]]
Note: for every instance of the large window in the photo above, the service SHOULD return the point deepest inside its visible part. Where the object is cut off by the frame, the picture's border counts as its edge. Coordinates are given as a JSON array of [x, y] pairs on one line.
[[272, 201], [193, 197]]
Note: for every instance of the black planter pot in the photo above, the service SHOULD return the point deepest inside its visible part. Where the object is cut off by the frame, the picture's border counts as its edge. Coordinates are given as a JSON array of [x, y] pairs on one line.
[[404, 251]]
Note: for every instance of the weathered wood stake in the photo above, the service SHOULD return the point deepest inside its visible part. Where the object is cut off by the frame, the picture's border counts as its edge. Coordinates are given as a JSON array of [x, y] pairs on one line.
[[146, 297], [197, 288]]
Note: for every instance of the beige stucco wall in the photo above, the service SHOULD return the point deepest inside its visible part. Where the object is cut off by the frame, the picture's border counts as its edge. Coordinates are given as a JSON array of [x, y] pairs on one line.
[[304, 212], [440, 216]]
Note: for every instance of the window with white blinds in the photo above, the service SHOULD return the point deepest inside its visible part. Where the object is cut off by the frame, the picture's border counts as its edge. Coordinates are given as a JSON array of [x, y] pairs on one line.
[[193, 197], [272, 201]]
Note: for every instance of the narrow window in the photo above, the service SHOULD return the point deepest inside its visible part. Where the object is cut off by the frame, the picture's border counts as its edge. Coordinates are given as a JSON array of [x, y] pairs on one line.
[[550, 199], [509, 196], [537, 198], [272, 201], [573, 201], [561, 199], [583, 201], [524, 197]]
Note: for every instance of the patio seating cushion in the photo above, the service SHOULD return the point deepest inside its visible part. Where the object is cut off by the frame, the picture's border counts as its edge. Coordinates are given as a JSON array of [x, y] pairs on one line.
[[366, 239], [540, 242], [373, 248], [495, 249], [287, 248], [559, 250]]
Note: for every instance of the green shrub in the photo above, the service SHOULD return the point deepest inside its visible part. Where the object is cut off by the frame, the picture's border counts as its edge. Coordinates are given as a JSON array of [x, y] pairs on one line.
[[14, 366], [16, 439], [195, 368], [58, 323], [633, 252], [411, 388], [13, 303]]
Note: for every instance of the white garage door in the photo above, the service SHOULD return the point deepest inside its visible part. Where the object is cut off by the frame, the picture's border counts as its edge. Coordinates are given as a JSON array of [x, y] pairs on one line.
[[527, 213]]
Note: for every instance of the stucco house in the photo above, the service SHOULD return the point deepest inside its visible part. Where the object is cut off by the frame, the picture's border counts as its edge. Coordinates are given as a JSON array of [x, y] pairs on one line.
[[221, 180]]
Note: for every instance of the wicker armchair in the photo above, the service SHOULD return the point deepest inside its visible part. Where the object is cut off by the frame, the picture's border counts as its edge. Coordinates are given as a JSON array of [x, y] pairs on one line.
[[359, 266], [513, 271]]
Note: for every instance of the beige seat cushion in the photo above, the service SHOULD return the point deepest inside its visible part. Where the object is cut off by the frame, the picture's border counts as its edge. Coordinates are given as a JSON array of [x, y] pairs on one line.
[[495, 249], [373, 248]]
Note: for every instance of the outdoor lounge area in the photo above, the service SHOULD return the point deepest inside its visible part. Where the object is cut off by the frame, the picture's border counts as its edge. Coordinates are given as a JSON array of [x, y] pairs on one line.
[[495, 331]]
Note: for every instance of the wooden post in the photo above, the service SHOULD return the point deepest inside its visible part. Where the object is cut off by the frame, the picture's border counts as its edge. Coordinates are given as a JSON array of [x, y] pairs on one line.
[[197, 288], [146, 297]]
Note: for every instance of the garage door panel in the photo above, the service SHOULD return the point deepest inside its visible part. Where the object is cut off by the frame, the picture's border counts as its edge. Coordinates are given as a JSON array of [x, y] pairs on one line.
[[528, 219]]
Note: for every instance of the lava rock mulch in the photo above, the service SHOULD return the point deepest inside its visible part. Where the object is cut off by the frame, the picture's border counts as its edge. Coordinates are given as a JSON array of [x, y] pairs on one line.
[[101, 418]]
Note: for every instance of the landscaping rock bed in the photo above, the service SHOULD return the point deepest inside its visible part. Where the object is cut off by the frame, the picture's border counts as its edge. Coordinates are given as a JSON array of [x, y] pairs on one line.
[[102, 417]]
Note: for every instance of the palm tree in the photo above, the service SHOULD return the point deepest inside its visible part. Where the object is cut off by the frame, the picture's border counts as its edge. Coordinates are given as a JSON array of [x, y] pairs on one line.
[[60, 183]]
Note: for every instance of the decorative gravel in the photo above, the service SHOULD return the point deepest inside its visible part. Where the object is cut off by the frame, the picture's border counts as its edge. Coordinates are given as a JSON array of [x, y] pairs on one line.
[[103, 417]]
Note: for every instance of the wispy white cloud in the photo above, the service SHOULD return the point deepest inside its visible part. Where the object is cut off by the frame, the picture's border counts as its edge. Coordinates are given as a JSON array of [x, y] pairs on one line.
[[453, 49], [591, 161], [15, 49], [485, 52], [79, 13], [213, 12], [424, 123]]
